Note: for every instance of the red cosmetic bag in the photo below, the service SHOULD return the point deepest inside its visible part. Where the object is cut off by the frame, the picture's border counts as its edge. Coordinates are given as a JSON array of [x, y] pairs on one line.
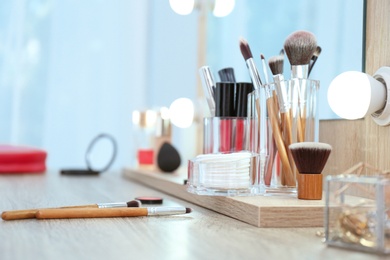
[[22, 159]]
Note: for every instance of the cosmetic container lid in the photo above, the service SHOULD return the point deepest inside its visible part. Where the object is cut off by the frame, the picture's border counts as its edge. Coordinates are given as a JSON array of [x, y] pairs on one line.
[[242, 91], [224, 99], [227, 75], [150, 200], [22, 159]]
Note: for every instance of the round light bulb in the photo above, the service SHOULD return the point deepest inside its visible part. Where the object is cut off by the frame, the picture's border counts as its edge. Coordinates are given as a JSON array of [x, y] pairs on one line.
[[223, 7], [182, 112], [182, 7], [353, 95], [164, 112]]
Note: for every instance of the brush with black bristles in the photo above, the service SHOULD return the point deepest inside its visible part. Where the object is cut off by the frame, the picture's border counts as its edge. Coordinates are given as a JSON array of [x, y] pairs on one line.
[[314, 59], [310, 159], [300, 47]]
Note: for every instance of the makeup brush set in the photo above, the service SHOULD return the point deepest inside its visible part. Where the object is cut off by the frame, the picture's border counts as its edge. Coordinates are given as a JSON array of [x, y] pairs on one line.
[[279, 129], [100, 210]]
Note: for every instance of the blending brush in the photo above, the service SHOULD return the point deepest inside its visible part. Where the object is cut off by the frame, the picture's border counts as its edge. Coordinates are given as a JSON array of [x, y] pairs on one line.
[[257, 84], [110, 212], [314, 59], [250, 63], [31, 213], [276, 64], [300, 47], [310, 159]]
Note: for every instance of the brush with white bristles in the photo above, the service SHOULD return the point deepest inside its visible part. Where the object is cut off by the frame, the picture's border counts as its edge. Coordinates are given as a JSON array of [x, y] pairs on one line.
[[310, 159], [300, 47]]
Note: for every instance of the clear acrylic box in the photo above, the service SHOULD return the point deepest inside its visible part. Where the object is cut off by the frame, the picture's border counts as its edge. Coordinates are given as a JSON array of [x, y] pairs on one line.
[[224, 174], [357, 213]]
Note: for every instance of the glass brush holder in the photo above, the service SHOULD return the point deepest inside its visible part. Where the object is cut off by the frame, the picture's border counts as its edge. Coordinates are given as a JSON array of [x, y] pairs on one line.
[[290, 116], [226, 167]]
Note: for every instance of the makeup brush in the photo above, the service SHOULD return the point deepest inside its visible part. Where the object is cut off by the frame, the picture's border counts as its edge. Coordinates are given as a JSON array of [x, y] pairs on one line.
[[110, 212], [300, 47], [30, 213], [310, 159], [276, 64], [256, 80], [227, 75], [250, 63], [314, 58], [277, 134]]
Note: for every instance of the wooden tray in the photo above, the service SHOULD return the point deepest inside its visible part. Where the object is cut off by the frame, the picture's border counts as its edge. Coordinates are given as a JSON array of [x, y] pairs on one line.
[[260, 211]]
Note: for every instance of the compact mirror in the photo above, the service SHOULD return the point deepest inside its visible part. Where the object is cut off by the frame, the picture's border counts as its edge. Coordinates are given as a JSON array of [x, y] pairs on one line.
[[99, 157]]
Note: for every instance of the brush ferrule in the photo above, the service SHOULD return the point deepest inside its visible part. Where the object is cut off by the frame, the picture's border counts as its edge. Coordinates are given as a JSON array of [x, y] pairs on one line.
[[158, 211], [281, 91], [253, 72], [112, 205], [300, 71]]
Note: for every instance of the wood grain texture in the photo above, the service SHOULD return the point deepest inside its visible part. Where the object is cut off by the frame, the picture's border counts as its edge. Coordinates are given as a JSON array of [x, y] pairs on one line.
[[363, 140], [377, 55], [347, 139], [202, 234], [259, 211]]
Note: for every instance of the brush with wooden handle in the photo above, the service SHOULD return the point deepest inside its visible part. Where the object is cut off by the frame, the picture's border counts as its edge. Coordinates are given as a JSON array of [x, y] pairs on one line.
[[109, 212], [300, 47], [31, 213], [310, 159], [276, 65]]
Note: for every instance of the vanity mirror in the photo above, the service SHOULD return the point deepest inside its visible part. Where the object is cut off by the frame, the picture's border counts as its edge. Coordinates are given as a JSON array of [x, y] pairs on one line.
[[338, 26]]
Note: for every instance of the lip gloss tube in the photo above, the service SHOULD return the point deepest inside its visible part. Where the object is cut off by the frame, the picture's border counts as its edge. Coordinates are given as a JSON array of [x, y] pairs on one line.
[[224, 108], [242, 91]]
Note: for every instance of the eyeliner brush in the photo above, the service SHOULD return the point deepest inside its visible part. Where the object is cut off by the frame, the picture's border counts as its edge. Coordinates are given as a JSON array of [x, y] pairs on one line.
[[110, 212], [250, 63], [31, 213], [314, 59]]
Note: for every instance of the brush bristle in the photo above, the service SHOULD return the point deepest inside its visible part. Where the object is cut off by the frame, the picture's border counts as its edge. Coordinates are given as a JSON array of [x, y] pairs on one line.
[[317, 52], [299, 47], [310, 157], [276, 64], [134, 204], [245, 50]]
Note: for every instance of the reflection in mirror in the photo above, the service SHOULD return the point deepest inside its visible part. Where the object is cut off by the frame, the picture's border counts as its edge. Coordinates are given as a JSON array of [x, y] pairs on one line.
[[338, 26]]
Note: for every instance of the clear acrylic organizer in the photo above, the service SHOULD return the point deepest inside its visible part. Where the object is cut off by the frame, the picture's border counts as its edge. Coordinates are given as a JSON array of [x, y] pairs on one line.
[[224, 174], [357, 214]]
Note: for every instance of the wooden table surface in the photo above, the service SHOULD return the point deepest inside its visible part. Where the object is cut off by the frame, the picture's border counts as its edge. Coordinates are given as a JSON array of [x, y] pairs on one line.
[[202, 234]]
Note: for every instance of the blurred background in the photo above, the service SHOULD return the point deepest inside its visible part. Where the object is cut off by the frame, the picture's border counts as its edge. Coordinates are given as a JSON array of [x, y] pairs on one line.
[[70, 70]]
